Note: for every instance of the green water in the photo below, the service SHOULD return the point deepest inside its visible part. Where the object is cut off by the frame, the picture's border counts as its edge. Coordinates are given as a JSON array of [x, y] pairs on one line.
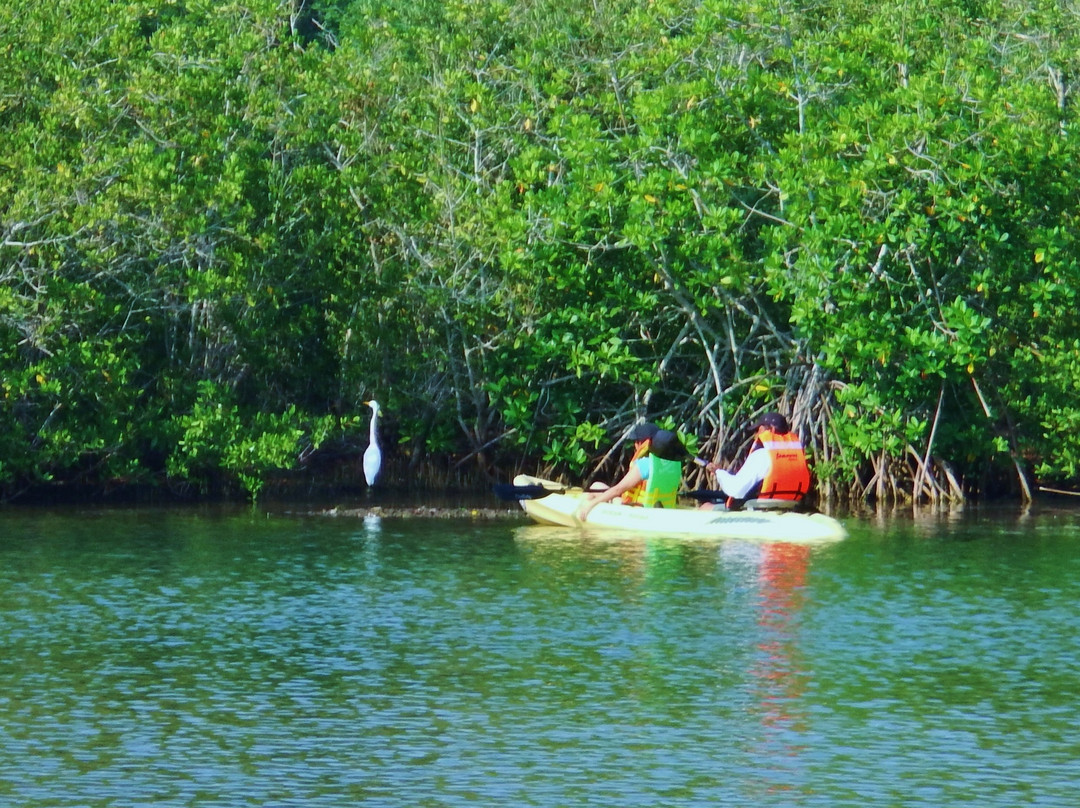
[[160, 658]]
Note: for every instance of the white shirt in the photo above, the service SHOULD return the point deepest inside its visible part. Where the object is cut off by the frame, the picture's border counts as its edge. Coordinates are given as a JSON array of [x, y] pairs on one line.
[[754, 470]]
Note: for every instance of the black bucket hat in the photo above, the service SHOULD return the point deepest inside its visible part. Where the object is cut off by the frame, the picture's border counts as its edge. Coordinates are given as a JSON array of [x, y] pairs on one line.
[[644, 431], [666, 445]]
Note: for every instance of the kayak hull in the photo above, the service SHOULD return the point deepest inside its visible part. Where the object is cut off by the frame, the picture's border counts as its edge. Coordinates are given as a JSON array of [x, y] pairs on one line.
[[560, 507]]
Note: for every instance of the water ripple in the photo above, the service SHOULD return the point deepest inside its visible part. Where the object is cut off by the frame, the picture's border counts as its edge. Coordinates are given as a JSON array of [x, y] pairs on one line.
[[236, 661]]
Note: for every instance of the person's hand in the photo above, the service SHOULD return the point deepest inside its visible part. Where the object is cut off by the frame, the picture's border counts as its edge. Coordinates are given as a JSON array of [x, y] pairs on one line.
[[589, 501], [712, 466]]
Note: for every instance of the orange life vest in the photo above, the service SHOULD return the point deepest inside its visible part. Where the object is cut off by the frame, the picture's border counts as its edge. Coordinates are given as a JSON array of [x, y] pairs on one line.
[[789, 476], [636, 494]]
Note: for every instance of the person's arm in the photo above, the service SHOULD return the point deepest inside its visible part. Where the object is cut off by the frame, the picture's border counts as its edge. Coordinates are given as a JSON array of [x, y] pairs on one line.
[[629, 480], [754, 470]]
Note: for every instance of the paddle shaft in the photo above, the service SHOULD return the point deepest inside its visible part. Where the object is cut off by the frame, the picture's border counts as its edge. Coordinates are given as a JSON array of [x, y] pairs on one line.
[[516, 493], [1059, 491]]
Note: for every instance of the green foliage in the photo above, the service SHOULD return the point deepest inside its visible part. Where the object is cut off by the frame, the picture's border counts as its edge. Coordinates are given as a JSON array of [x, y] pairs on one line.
[[524, 225], [216, 437]]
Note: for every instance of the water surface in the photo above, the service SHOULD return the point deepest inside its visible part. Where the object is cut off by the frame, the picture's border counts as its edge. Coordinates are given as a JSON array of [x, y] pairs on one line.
[[156, 657]]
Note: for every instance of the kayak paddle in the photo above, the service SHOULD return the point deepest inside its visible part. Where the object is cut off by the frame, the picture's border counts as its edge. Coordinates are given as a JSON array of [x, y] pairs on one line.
[[705, 495], [516, 493]]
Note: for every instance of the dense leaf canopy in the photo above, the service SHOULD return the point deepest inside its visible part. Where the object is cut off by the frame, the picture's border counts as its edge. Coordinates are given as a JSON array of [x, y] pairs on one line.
[[523, 225]]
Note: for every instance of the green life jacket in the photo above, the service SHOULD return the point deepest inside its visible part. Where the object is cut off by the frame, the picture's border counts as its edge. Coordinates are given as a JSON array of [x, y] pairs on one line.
[[662, 487]]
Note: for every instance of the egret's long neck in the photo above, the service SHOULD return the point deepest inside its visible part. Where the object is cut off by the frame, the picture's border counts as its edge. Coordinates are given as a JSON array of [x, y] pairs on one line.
[[374, 418]]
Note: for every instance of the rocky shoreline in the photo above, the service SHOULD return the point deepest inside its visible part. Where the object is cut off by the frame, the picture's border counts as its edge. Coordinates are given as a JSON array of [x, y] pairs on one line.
[[425, 512]]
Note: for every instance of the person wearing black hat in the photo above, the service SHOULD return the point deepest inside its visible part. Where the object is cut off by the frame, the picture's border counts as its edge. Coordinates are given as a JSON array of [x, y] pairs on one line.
[[775, 468], [652, 480], [641, 435]]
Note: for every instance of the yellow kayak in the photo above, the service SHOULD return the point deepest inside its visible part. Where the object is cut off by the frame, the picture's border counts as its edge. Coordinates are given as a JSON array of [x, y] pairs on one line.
[[549, 503]]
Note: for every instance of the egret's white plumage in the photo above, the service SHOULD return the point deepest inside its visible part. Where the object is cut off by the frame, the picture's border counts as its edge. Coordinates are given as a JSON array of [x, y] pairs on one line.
[[373, 455]]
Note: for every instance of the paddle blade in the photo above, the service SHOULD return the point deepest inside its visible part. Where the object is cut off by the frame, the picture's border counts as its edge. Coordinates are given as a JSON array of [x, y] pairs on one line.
[[516, 493], [705, 495]]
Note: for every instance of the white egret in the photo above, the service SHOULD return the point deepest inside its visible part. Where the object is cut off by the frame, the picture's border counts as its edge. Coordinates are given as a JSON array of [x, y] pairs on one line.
[[372, 455]]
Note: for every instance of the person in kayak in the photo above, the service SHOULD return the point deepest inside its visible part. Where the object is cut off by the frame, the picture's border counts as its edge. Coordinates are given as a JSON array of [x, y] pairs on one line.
[[642, 436], [775, 468], [658, 474]]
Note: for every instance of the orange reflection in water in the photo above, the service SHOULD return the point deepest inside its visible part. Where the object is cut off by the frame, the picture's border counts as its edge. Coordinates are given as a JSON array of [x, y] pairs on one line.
[[781, 577], [779, 675]]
